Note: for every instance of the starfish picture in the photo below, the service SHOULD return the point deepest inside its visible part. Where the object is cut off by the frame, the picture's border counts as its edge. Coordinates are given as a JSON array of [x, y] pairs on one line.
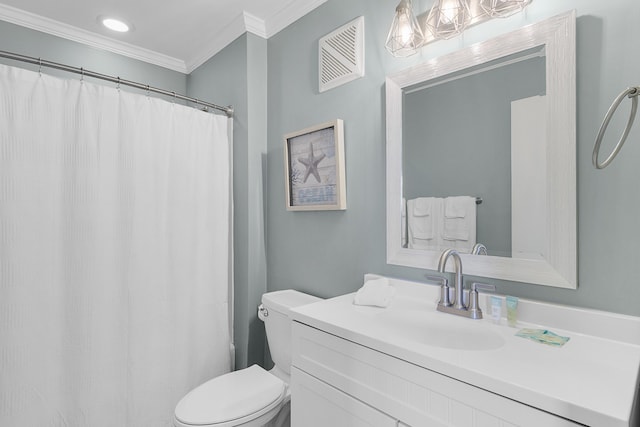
[[311, 162]]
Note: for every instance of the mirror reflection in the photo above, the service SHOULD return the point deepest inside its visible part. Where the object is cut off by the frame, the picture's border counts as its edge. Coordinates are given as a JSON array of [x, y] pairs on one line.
[[466, 149]]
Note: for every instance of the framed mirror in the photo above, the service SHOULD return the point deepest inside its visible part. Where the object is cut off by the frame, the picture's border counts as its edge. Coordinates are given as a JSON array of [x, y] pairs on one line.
[[493, 123]]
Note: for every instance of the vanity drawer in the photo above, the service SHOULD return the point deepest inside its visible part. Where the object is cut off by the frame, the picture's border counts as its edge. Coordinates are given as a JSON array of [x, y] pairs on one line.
[[317, 404], [413, 395]]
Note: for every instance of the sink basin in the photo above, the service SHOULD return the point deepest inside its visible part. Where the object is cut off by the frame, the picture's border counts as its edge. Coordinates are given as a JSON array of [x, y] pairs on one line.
[[477, 339], [442, 330]]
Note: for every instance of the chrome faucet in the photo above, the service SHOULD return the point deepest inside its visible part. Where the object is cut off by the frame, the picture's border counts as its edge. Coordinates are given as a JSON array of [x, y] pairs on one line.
[[457, 280], [457, 306], [479, 249]]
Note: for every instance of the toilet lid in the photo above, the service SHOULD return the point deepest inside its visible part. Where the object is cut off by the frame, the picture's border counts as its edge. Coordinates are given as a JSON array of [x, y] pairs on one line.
[[230, 396]]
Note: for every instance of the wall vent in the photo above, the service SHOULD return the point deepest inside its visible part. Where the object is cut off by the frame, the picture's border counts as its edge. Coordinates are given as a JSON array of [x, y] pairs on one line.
[[341, 55]]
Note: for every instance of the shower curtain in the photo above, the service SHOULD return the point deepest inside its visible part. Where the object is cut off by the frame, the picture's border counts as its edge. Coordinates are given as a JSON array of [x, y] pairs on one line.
[[114, 253]]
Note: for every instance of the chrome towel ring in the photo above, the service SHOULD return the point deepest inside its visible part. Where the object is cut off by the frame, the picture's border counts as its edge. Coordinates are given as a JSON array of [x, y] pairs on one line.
[[631, 93]]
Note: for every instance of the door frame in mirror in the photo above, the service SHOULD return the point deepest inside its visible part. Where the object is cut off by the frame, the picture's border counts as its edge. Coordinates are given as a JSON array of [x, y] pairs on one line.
[[559, 269]]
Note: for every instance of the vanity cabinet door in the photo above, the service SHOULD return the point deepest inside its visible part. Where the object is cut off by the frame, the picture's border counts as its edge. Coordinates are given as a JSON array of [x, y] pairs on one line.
[[317, 404]]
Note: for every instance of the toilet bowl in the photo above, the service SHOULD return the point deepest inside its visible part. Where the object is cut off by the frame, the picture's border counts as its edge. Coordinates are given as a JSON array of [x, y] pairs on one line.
[[250, 397]]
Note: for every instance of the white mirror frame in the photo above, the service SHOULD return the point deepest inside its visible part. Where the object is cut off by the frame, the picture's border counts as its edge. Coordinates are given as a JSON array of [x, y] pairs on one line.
[[559, 269]]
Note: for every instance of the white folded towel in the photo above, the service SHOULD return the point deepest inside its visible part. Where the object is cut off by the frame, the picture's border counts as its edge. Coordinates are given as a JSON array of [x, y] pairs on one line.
[[422, 206], [459, 224], [457, 206], [377, 292], [423, 215], [455, 229]]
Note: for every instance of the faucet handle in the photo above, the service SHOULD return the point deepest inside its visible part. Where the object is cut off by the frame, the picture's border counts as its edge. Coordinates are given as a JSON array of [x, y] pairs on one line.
[[439, 280], [476, 286], [474, 309], [445, 290]]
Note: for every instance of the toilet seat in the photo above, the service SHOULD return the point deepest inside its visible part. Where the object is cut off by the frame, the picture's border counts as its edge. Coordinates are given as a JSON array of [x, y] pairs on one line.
[[231, 399]]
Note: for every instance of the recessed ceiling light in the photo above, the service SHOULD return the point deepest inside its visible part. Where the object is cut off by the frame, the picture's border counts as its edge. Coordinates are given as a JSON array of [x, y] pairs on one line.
[[115, 24]]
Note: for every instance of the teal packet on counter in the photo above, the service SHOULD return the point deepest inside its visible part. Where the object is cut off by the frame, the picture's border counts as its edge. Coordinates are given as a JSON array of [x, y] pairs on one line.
[[543, 336]]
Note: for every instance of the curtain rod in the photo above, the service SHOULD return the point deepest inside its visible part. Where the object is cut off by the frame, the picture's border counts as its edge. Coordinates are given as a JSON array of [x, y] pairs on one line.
[[42, 63]]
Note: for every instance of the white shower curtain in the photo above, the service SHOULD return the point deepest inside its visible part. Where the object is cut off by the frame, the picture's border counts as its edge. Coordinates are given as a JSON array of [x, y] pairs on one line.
[[114, 253]]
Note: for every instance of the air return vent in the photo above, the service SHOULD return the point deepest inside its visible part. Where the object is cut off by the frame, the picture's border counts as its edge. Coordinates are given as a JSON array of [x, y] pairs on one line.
[[341, 55]]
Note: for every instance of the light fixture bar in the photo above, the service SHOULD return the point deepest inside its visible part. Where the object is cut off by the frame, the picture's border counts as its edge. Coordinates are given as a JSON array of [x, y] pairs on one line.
[[479, 11]]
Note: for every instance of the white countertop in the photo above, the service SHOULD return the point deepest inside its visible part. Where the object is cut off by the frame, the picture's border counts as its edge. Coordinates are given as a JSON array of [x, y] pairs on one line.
[[592, 379]]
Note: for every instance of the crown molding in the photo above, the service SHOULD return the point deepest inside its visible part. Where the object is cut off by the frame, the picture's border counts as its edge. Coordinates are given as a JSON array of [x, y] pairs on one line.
[[255, 25], [222, 39], [59, 29], [290, 14], [244, 22]]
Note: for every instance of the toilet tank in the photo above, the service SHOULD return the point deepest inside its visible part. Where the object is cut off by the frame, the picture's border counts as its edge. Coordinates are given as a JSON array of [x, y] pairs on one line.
[[278, 324]]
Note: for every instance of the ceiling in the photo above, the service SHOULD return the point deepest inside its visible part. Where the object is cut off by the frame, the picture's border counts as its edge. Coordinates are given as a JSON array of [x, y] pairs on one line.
[[179, 35]]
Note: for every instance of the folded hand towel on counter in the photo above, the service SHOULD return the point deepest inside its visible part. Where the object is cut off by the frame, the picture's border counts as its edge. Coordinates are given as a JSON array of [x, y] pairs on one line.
[[377, 292]]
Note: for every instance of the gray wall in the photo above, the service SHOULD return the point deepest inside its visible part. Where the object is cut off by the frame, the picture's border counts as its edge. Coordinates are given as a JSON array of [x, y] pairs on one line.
[[327, 253], [237, 76]]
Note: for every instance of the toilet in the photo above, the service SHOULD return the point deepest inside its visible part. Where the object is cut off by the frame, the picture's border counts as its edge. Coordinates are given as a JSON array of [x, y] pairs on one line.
[[250, 397]]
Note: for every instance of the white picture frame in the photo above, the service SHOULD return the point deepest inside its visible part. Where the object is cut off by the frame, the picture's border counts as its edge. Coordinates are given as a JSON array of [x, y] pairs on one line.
[[315, 168]]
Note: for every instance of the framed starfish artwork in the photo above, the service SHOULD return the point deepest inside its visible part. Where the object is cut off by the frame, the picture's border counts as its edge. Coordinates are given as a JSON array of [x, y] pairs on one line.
[[314, 168]]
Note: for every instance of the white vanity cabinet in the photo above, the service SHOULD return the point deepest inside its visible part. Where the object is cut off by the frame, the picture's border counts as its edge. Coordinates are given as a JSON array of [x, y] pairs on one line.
[[336, 382], [410, 365], [319, 404]]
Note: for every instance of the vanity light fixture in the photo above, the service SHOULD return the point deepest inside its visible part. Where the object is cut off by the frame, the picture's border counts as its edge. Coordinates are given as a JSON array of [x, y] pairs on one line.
[[448, 18], [115, 24], [405, 36], [503, 8]]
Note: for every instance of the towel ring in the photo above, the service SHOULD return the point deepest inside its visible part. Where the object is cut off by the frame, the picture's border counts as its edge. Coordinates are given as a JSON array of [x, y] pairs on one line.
[[632, 93]]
